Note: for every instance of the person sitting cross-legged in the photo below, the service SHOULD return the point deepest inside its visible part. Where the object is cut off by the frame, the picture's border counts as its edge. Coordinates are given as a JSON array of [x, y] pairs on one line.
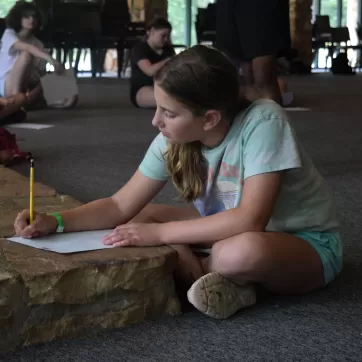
[[147, 57], [23, 58], [261, 211]]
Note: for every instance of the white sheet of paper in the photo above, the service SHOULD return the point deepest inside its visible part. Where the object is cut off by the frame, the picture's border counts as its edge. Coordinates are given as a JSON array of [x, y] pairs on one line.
[[67, 242], [56, 87], [36, 126]]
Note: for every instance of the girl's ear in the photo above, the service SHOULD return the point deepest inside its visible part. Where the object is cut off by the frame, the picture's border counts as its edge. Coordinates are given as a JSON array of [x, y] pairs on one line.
[[211, 119]]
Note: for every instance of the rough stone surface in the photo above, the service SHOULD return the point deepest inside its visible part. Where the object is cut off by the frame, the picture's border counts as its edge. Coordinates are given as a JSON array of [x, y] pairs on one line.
[[46, 295]]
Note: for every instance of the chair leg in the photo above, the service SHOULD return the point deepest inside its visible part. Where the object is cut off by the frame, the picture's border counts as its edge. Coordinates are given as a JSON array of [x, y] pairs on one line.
[[93, 53], [126, 60], [77, 60], [101, 59], [59, 54], [71, 57], [120, 54], [66, 51]]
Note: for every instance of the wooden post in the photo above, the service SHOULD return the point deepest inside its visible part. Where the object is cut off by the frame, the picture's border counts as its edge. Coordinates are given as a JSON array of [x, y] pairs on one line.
[[300, 12], [137, 10], [155, 8]]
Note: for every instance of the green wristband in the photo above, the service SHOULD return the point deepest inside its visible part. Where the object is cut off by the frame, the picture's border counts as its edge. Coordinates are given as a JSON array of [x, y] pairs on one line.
[[59, 218]]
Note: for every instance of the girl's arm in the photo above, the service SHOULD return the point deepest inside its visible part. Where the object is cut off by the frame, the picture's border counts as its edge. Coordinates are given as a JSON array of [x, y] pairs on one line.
[[35, 51], [260, 193], [150, 69], [116, 210]]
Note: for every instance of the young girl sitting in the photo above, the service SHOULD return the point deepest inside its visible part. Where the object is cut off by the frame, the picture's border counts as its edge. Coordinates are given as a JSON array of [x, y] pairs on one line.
[[262, 211], [22, 55], [147, 58]]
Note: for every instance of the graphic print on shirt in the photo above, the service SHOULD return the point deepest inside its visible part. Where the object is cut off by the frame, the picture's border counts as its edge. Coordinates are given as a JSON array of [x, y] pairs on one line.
[[222, 192], [224, 182]]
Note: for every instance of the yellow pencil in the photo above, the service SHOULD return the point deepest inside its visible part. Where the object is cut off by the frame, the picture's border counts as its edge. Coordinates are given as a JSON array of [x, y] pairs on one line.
[[31, 202]]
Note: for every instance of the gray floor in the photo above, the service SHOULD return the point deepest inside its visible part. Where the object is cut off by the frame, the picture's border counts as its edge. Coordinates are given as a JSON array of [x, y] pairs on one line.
[[95, 148]]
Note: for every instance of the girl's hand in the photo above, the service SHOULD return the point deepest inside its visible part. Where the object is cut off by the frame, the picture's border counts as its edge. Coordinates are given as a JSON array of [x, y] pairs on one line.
[[135, 235], [41, 226]]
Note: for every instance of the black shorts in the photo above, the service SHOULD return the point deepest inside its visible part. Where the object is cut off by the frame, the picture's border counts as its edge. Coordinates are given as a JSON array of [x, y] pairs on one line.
[[247, 29]]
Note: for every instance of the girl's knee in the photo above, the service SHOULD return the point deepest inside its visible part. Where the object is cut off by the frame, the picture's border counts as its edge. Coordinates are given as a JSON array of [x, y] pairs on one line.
[[237, 255], [145, 97]]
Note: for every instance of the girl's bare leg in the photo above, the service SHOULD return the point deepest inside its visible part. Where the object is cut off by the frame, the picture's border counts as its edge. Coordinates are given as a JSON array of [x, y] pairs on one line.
[[282, 263], [17, 79], [189, 266], [145, 97]]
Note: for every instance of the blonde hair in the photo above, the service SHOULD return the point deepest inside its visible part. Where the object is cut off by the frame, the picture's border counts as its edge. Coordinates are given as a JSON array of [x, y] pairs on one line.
[[201, 78], [187, 167]]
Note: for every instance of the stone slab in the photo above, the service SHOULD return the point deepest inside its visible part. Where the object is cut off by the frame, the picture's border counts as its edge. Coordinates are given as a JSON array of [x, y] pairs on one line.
[[15, 185], [46, 295], [11, 206]]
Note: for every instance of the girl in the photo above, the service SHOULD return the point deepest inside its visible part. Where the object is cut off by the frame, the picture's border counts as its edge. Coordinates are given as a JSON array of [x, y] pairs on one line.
[[146, 59], [22, 55], [263, 212]]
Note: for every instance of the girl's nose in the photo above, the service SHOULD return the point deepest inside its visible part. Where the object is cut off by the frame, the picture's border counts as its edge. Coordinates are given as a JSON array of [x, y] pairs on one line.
[[156, 121]]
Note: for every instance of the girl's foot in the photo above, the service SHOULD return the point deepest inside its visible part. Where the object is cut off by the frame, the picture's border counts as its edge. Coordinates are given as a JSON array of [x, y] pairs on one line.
[[219, 297]]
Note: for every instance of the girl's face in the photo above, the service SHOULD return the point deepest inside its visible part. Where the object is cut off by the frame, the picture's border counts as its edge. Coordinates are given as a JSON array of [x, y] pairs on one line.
[[178, 124], [29, 21], [159, 37]]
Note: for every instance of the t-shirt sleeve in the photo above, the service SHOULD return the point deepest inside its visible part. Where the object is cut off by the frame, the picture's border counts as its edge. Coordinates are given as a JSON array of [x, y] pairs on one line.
[[9, 38], [139, 52], [153, 164], [269, 145]]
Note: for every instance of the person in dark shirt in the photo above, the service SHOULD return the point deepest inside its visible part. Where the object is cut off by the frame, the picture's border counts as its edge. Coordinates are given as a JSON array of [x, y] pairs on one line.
[[147, 58], [251, 33]]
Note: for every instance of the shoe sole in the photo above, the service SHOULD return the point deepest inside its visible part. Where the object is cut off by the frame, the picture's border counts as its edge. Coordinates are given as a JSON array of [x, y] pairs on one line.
[[219, 297]]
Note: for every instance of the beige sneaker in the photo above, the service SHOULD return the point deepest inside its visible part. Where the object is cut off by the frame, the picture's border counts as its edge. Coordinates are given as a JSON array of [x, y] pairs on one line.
[[219, 297]]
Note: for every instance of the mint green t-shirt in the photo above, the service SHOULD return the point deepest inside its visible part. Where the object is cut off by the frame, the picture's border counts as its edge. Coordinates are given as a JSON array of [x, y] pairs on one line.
[[260, 140]]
